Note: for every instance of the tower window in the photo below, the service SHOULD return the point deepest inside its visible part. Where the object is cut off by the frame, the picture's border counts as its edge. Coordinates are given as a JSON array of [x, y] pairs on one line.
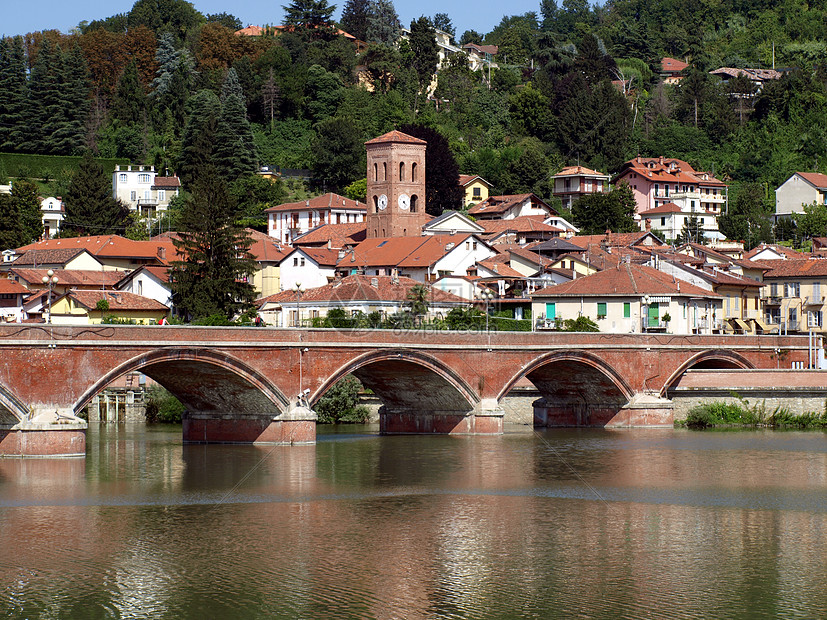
[[375, 203], [384, 171], [413, 172], [413, 200], [375, 172], [402, 171]]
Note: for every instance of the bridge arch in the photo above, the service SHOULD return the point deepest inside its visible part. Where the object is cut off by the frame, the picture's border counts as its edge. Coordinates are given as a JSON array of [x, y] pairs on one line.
[[12, 409], [205, 381], [712, 359], [404, 379]]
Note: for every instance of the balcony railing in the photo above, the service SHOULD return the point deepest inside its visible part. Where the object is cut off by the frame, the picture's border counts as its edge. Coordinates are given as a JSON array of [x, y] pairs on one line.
[[773, 300], [147, 202], [814, 301]]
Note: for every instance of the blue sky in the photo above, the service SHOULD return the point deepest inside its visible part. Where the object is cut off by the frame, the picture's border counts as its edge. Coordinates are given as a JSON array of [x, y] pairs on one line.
[[21, 17]]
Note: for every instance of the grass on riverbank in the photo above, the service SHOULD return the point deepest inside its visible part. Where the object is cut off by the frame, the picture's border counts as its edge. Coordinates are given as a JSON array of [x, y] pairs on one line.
[[742, 414]]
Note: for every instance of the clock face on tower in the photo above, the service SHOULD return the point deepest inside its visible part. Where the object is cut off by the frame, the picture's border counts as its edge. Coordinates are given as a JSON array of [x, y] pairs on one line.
[[404, 202], [383, 202]]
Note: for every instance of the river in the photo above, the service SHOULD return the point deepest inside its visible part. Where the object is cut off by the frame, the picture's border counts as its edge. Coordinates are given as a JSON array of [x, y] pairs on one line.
[[555, 524]]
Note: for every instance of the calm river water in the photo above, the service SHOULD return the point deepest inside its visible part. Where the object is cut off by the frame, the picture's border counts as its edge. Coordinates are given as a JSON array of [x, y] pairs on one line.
[[557, 524]]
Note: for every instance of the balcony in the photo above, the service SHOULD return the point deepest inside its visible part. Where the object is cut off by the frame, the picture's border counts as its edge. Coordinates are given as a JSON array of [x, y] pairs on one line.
[[147, 202], [774, 300], [813, 301]]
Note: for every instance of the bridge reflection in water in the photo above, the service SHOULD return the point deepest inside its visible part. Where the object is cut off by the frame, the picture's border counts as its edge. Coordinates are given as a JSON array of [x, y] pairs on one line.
[[259, 385]]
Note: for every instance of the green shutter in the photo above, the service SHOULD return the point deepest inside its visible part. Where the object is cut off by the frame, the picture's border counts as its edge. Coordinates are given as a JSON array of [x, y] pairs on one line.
[[601, 309], [654, 314], [551, 311], [627, 309]]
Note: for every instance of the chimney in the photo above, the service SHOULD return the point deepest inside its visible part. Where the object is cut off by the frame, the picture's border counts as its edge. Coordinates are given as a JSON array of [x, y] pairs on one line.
[[661, 160], [374, 282], [648, 225], [608, 236]]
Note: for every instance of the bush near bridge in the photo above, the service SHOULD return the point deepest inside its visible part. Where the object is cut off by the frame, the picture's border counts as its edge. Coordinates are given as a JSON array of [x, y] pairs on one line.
[[340, 404], [714, 414], [162, 407]]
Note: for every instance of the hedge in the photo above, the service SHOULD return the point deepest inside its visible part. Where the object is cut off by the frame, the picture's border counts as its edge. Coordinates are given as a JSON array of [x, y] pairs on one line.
[[20, 165]]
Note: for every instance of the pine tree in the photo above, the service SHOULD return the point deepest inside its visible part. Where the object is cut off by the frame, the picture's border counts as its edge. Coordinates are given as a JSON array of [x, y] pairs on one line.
[[198, 141], [310, 18], [74, 87], [13, 87], [355, 18], [425, 51], [232, 86], [11, 229], [27, 205], [129, 103], [43, 106], [90, 207], [212, 278], [235, 150], [383, 23], [168, 60]]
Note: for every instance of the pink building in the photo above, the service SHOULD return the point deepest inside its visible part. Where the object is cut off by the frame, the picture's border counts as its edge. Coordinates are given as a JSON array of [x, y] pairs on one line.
[[575, 181], [656, 181]]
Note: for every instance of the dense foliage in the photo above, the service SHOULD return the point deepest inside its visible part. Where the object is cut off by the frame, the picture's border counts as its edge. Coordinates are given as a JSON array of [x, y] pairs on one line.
[[166, 85], [341, 403]]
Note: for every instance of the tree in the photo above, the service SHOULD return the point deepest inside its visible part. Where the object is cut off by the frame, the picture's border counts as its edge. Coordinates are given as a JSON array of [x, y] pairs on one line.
[[75, 88], [227, 20], [340, 154], [309, 18], [212, 278], [416, 303], [252, 194], [748, 218], [177, 17], [813, 222], [470, 36], [24, 195], [341, 403], [90, 207], [129, 104], [234, 149], [11, 229], [43, 109], [13, 102], [442, 188], [424, 51], [442, 22], [198, 140], [693, 231], [355, 18], [596, 213], [383, 23]]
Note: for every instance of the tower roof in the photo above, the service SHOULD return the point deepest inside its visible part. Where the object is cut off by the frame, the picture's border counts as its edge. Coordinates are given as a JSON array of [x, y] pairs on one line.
[[396, 136]]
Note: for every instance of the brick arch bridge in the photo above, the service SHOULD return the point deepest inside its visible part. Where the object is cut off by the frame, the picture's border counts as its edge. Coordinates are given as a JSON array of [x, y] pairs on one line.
[[259, 385]]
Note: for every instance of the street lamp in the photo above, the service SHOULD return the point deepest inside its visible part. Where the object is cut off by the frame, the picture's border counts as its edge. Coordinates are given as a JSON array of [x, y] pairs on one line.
[[50, 279], [487, 295], [298, 289]]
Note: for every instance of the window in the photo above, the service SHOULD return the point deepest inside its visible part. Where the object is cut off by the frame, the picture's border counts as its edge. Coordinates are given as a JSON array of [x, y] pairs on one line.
[[475, 245], [295, 261], [663, 221], [774, 289], [144, 178], [414, 201], [301, 262], [601, 309], [793, 289], [817, 292], [122, 178], [375, 173], [162, 195], [477, 192], [402, 171], [133, 196], [627, 310], [384, 171], [551, 311], [413, 172]]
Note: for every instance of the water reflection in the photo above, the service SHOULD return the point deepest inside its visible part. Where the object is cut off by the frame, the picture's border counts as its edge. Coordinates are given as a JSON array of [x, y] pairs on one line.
[[586, 522]]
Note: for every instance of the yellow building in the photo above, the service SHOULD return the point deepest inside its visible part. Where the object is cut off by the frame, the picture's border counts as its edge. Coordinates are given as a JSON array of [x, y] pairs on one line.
[[91, 307], [475, 187]]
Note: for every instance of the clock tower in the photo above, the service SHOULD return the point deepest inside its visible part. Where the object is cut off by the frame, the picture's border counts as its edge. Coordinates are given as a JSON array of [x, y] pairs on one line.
[[395, 186]]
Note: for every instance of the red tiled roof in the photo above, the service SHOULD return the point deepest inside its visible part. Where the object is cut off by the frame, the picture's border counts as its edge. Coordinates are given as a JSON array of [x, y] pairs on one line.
[[322, 256], [758, 75], [47, 257], [784, 251], [361, 288], [250, 31], [467, 179], [70, 277], [404, 252], [110, 246], [807, 268], [10, 287], [627, 279], [672, 65], [120, 300], [396, 136], [667, 170], [614, 240], [339, 235], [570, 171], [525, 223], [814, 178], [501, 204], [166, 182], [485, 49], [501, 268], [323, 202], [668, 207]]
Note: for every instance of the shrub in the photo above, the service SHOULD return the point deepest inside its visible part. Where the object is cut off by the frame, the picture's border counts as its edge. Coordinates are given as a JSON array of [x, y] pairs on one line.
[[163, 407], [340, 404]]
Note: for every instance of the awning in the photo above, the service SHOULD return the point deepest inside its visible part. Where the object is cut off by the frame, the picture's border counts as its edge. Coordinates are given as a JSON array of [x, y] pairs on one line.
[[765, 327], [741, 323]]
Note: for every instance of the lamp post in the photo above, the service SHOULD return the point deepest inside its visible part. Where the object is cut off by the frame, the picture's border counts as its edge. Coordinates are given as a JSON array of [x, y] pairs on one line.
[[487, 295], [50, 279], [298, 289]]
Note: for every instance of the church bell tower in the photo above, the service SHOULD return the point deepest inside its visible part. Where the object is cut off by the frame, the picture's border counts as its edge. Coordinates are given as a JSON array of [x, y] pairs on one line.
[[395, 186]]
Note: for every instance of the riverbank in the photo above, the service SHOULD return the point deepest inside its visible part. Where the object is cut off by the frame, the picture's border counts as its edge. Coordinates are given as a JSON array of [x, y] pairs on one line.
[[742, 414]]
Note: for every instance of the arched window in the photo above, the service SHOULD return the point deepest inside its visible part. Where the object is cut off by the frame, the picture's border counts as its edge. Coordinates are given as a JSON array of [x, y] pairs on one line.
[[413, 203], [413, 172], [384, 171], [375, 172], [402, 171], [375, 203]]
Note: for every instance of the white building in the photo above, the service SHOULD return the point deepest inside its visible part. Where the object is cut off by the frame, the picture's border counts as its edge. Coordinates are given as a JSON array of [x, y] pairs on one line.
[[668, 220], [53, 214], [143, 190], [287, 221], [802, 188], [308, 268], [151, 282]]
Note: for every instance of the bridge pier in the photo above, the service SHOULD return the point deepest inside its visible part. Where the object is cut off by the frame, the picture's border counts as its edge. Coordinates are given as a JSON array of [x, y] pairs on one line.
[[296, 426], [644, 410], [485, 419], [48, 432]]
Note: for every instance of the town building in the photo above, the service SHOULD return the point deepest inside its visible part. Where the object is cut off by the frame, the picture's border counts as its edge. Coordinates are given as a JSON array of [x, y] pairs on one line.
[[395, 186], [573, 182], [52, 214], [508, 207], [111, 252], [308, 267], [475, 187], [148, 281], [656, 181], [12, 295], [355, 294], [669, 219], [93, 307], [794, 295], [802, 188], [629, 298], [288, 221], [671, 70], [143, 189], [481, 56]]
